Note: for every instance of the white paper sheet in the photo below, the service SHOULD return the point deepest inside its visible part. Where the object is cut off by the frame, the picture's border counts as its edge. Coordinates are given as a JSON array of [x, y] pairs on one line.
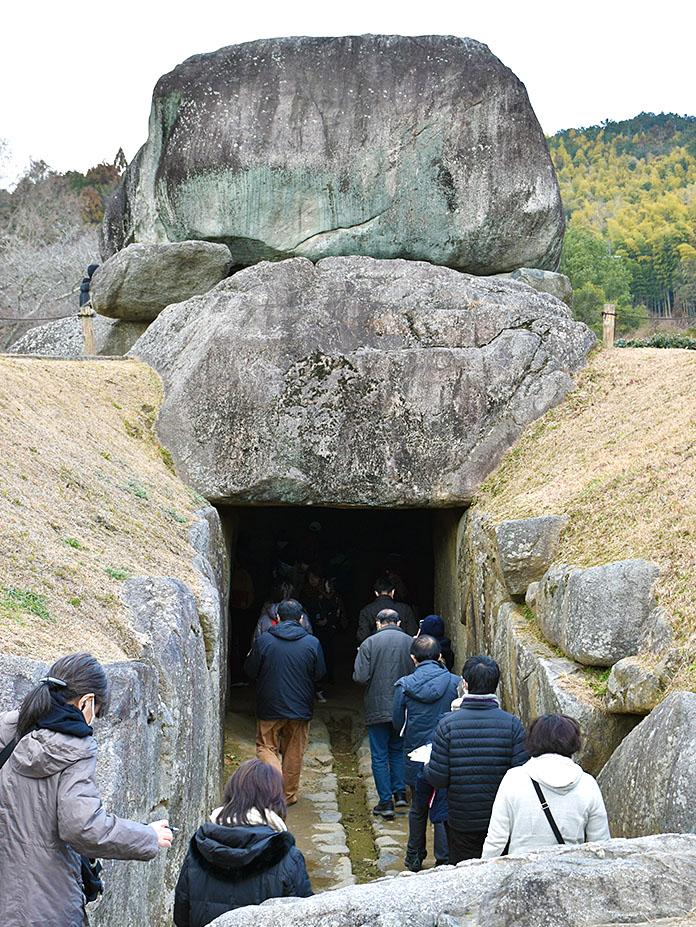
[[421, 754]]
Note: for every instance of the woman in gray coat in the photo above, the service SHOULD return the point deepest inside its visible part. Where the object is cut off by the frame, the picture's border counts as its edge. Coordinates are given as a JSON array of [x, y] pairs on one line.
[[50, 808]]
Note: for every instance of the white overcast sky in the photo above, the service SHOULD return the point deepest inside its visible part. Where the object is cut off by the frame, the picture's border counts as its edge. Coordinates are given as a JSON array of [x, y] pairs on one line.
[[76, 78]]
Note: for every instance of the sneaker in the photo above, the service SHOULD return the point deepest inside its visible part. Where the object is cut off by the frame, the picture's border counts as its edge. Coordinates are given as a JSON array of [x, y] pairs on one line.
[[414, 863], [400, 800], [442, 862], [384, 809], [320, 697]]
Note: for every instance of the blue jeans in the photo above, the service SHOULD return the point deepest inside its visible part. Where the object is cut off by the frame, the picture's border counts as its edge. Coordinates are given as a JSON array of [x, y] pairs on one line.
[[387, 752]]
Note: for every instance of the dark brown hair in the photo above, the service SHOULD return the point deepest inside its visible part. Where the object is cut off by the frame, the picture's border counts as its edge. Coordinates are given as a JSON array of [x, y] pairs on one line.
[[553, 734], [252, 785]]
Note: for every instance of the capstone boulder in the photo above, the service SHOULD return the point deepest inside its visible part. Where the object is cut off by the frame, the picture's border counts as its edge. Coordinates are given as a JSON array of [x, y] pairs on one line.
[[139, 281], [601, 614], [388, 146], [355, 382], [649, 782]]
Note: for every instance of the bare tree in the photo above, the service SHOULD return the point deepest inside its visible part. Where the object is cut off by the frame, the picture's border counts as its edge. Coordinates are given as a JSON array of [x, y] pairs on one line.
[[45, 248]]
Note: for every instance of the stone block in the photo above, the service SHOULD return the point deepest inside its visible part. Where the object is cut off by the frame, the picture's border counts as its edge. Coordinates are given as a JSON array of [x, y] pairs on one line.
[[64, 338], [545, 281], [137, 283], [526, 548], [634, 687], [634, 881], [649, 782], [601, 614]]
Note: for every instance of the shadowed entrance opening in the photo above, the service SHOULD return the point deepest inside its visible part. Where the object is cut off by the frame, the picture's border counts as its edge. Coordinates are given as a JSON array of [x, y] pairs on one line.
[[349, 547]]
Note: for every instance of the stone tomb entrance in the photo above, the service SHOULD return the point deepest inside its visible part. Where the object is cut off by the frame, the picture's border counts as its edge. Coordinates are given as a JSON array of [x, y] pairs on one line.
[[352, 546]]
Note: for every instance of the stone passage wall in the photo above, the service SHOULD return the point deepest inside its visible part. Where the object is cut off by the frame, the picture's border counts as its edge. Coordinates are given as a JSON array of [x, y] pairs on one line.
[[500, 586], [160, 748], [494, 566]]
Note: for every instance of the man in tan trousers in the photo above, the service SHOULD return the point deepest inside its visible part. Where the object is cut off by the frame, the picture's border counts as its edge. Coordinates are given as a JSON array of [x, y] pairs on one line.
[[285, 661]]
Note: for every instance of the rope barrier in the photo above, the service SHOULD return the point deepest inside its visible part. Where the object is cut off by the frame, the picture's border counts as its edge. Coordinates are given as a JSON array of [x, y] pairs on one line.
[[51, 318]]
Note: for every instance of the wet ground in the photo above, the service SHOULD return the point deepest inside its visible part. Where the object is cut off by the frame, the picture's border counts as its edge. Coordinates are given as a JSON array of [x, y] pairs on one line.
[[332, 822]]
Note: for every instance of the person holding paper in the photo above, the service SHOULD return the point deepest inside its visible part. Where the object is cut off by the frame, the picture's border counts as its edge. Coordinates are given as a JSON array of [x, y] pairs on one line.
[[420, 700]]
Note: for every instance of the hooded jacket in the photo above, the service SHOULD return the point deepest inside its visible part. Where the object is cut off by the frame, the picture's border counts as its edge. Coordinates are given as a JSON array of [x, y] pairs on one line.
[[473, 748], [285, 661], [50, 813], [420, 700], [382, 659], [229, 867], [573, 797], [435, 627]]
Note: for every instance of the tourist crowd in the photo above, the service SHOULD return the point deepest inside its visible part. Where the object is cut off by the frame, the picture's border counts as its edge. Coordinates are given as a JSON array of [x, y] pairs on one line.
[[441, 746]]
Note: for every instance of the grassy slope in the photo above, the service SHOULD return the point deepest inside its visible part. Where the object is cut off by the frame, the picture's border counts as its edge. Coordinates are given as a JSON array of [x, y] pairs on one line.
[[86, 500], [618, 457]]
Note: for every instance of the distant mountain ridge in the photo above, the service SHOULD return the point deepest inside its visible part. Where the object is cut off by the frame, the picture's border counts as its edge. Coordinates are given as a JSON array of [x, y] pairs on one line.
[[629, 194]]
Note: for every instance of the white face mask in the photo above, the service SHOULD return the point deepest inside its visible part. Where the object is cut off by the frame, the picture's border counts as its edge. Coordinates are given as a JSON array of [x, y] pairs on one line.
[[91, 702]]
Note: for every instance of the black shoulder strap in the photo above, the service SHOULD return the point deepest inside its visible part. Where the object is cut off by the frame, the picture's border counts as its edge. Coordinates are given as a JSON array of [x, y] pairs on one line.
[[7, 752], [547, 811]]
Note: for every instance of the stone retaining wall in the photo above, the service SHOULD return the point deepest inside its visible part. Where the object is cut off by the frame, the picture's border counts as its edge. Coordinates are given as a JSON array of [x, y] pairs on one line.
[[160, 748], [535, 679]]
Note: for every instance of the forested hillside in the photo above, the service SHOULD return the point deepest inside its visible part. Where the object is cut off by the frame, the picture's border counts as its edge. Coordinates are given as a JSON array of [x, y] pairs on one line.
[[629, 193]]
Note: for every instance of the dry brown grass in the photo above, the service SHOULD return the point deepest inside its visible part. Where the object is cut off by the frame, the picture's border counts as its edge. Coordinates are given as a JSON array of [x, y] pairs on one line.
[[86, 499], [619, 458]]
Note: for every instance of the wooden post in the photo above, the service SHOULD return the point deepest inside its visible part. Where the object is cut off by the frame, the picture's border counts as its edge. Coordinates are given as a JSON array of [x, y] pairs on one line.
[[86, 315], [608, 324]]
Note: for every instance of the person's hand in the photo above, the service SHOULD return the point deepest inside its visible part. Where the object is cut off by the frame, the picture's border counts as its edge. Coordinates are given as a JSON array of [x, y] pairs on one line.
[[164, 835]]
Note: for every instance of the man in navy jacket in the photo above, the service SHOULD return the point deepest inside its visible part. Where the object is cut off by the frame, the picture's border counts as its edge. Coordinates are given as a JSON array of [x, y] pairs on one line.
[[285, 661], [473, 748], [420, 700]]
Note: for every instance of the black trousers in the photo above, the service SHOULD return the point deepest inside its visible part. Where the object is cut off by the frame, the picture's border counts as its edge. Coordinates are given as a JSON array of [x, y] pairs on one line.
[[464, 844]]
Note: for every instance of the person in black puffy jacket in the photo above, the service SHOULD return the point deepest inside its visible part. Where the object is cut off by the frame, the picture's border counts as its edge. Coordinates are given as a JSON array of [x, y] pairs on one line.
[[244, 855], [473, 748]]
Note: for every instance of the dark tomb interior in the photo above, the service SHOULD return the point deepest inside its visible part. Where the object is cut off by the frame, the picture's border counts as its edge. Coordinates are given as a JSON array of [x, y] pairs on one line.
[[350, 548]]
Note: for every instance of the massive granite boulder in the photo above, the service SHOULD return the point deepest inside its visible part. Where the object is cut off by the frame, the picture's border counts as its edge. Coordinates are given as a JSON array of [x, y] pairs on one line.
[[649, 782], [356, 382], [389, 146], [597, 884]]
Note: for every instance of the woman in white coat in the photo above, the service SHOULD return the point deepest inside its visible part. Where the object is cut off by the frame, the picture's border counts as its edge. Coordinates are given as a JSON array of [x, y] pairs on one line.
[[574, 800]]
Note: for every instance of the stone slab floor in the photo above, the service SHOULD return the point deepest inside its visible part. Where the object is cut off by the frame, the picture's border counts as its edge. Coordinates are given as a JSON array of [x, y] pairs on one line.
[[332, 822]]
